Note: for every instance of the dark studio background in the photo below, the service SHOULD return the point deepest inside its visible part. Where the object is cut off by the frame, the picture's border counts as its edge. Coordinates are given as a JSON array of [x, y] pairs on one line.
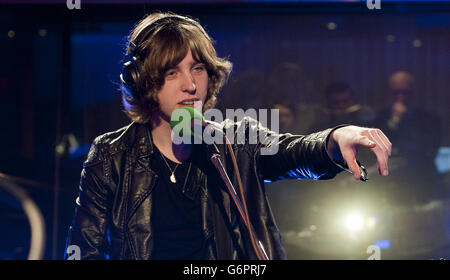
[[58, 89]]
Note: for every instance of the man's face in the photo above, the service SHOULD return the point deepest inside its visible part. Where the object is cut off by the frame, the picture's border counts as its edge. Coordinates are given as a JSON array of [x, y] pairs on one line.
[[400, 93], [400, 88], [339, 101], [185, 85]]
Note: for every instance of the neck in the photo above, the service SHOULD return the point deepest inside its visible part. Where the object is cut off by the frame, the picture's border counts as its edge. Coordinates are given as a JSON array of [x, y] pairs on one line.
[[162, 138]]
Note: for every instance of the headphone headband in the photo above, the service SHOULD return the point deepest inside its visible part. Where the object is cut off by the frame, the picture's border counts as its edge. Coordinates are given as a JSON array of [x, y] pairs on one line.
[[143, 33]]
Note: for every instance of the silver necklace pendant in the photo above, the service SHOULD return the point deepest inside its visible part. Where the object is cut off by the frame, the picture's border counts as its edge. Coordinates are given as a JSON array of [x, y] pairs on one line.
[[172, 178]]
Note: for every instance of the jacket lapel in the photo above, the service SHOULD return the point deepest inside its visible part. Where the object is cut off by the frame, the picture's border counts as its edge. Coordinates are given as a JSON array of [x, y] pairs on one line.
[[141, 179]]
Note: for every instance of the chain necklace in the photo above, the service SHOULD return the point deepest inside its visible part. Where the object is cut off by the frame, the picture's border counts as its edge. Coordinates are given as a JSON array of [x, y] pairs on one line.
[[172, 177]]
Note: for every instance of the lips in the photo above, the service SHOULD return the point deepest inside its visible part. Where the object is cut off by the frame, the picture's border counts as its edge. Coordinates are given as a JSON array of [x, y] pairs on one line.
[[188, 102]]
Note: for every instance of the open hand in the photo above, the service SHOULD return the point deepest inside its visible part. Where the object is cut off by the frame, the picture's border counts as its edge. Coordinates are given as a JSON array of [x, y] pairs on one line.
[[344, 143]]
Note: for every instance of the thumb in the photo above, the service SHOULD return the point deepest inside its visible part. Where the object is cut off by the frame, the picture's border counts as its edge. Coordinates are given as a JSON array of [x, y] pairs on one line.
[[352, 165]]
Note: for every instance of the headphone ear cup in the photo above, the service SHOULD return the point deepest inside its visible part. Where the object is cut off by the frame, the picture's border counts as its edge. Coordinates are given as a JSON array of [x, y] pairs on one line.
[[130, 76]]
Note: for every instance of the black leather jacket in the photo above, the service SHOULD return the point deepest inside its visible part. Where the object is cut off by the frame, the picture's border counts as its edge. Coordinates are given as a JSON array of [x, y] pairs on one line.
[[114, 207]]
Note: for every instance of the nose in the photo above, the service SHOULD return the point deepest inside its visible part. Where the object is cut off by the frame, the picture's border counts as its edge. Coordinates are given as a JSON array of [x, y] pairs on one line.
[[188, 84]]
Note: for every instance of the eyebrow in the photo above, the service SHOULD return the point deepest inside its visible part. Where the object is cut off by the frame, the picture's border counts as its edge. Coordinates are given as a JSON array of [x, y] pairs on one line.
[[191, 64]]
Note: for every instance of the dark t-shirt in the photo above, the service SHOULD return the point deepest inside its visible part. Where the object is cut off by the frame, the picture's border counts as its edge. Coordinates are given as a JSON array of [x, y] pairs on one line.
[[176, 219]]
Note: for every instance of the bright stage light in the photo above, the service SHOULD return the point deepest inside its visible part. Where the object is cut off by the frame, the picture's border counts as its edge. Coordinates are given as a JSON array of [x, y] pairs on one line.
[[354, 222]]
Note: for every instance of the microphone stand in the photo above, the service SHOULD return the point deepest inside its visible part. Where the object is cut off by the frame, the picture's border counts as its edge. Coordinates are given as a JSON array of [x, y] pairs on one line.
[[196, 119], [216, 160]]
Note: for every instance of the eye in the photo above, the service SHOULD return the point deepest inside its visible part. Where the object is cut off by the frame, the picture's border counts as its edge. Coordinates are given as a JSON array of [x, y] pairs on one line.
[[199, 67], [171, 73]]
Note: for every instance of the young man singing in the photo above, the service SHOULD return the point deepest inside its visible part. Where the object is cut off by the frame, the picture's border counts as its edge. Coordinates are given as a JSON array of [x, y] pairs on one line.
[[141, 196]]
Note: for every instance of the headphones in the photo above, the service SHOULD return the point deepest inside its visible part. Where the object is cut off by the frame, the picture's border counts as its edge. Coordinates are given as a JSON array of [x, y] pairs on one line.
[[130, 68]]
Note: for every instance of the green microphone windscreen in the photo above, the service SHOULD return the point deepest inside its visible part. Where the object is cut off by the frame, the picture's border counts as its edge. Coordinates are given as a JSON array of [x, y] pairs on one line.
[[184, 116]]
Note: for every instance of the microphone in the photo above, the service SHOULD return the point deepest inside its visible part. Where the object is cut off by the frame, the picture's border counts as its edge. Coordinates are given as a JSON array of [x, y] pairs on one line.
[[185, 118], [189, 126]]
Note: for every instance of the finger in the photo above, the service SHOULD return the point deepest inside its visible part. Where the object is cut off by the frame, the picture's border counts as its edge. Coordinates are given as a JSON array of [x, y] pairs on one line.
[[350, 159], [383, 151], [385, 140], [382, 135], [373, 134], [382, 160]]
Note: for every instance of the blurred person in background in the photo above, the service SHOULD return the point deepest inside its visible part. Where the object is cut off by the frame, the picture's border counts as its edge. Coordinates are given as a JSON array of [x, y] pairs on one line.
[[341, 106], [415, 134]]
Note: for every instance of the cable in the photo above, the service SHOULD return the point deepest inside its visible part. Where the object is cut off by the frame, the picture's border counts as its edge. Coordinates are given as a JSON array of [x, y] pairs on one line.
[[257, 246], [34, 216]]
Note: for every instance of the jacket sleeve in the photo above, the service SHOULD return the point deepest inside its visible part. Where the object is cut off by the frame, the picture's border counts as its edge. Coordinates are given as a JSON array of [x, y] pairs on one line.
[[296, 156], [88, 231]]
